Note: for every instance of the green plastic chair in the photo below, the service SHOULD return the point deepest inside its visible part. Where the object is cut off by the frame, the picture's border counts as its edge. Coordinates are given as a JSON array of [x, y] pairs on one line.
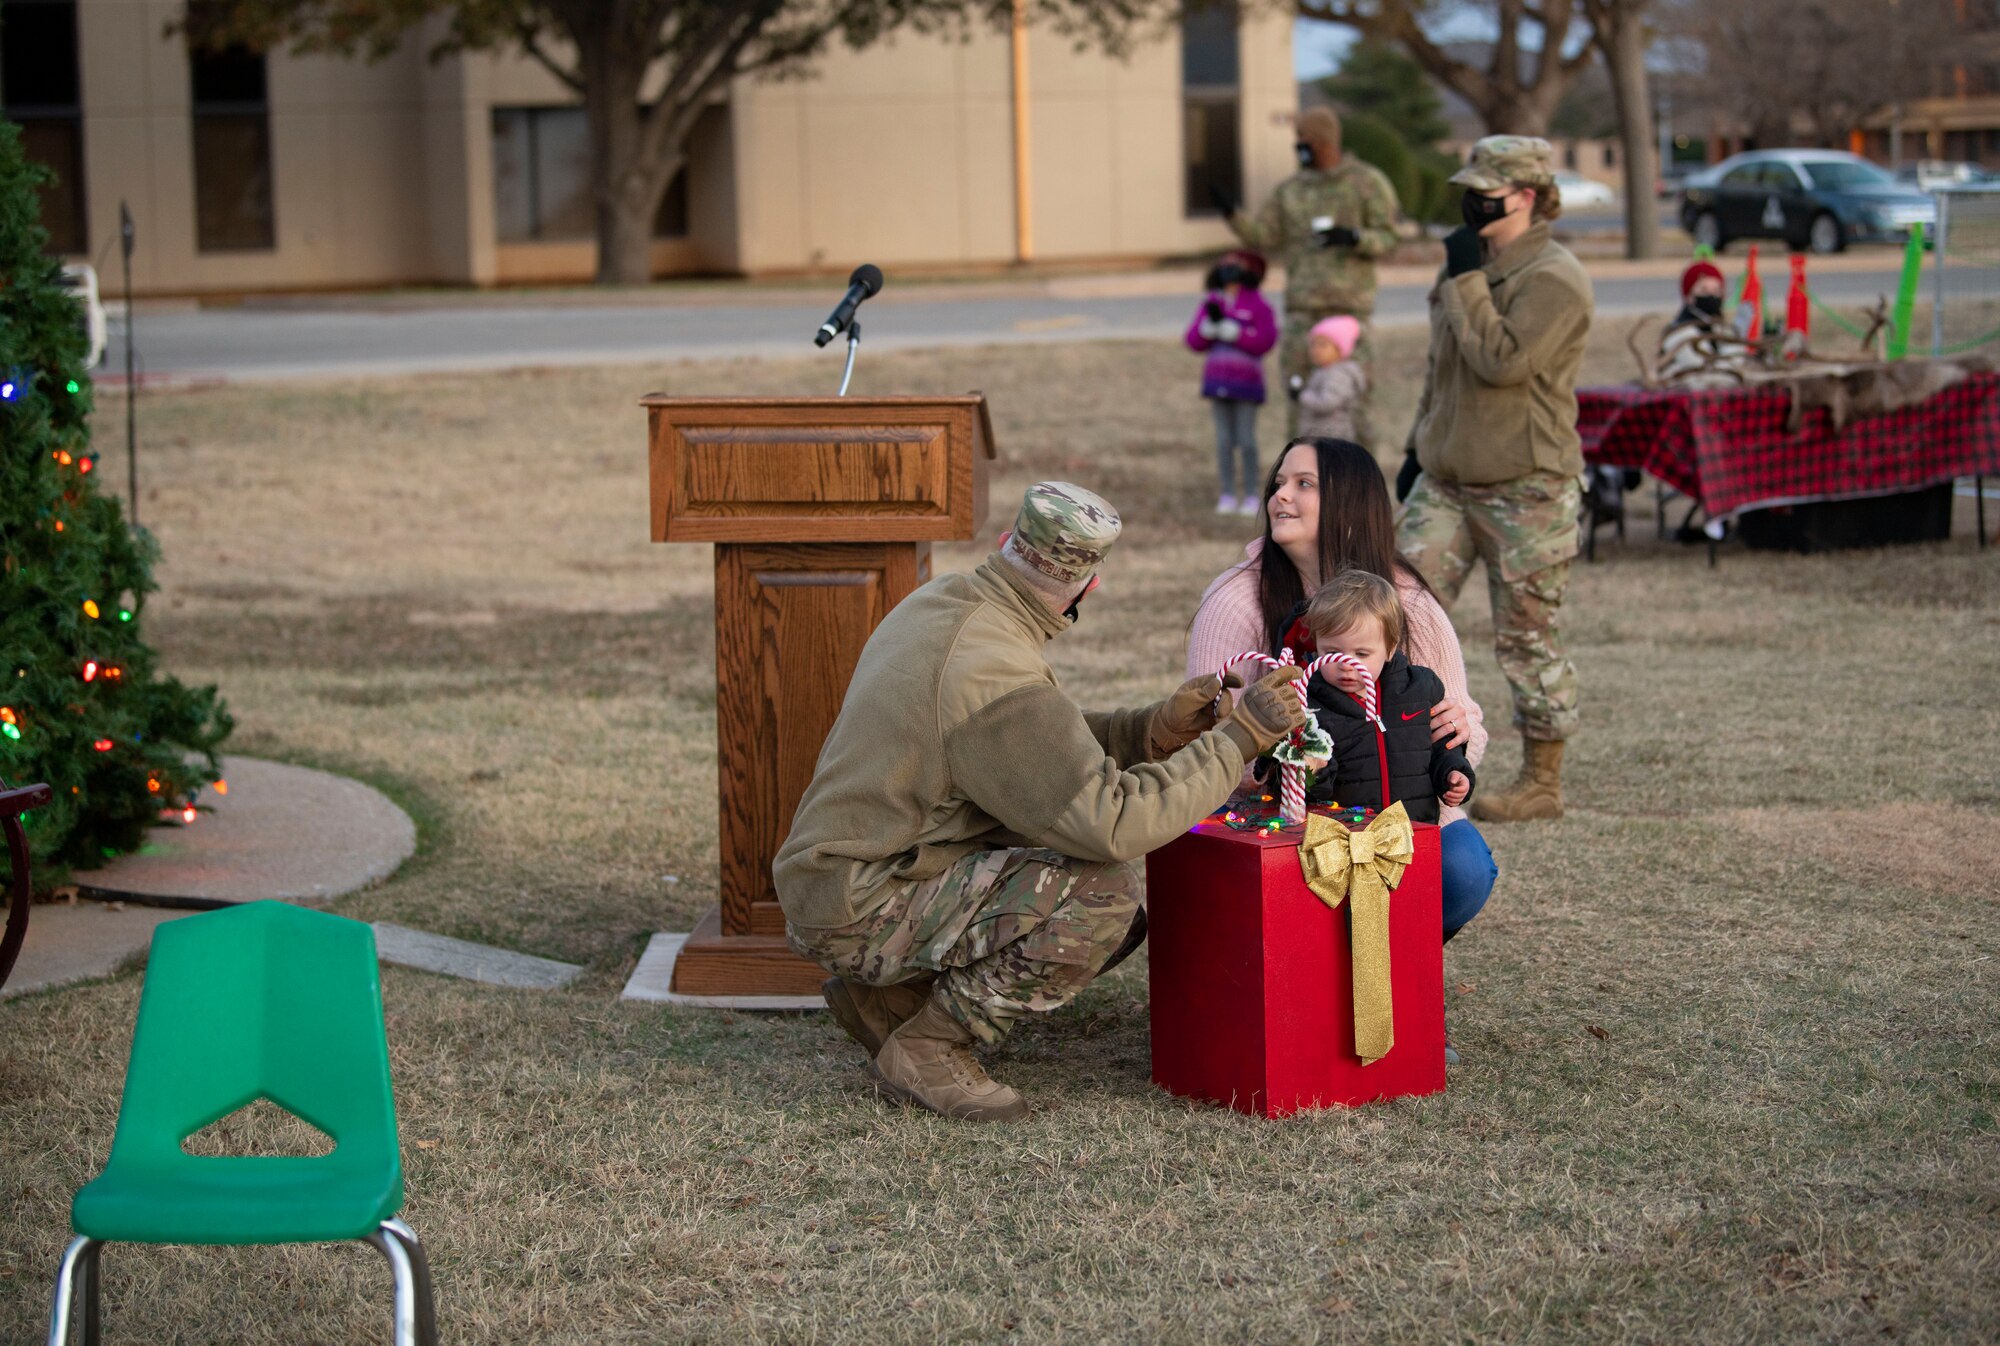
[[267, 1001]]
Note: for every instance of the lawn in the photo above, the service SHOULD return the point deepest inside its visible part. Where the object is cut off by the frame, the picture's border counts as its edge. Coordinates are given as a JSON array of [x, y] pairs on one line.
[[1774, 900]]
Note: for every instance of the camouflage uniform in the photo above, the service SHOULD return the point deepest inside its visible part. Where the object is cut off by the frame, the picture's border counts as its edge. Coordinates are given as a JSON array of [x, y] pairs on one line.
[[1525, 531], [1006, 932], [1321, 281], [1508, 499]]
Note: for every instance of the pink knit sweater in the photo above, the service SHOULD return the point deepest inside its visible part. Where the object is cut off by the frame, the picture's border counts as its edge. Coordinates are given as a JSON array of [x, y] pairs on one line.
[[1229, 622]]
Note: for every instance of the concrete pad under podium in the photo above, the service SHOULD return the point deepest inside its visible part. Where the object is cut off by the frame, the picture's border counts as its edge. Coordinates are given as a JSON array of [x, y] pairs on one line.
[[653, 979]]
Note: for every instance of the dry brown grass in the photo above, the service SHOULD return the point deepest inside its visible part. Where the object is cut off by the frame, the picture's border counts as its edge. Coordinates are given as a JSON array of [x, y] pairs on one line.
[[1775, 895]]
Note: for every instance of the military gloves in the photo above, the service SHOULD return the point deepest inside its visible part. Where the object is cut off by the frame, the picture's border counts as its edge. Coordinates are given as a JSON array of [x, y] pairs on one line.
[[1266, 713], [1338, 236], [1186, 715], [1463, 251]]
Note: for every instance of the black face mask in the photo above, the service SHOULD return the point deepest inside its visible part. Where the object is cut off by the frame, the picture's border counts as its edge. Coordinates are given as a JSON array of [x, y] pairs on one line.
[[1072, 612], [1480, 211], [1708, 305], [1308, 157]]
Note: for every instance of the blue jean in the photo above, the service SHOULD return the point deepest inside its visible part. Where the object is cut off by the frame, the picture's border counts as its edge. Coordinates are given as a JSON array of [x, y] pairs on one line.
[[1468, 873]]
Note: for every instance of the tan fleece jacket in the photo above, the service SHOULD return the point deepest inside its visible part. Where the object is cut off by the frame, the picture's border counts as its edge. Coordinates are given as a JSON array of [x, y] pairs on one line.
[[954, 737], [1499, 399]]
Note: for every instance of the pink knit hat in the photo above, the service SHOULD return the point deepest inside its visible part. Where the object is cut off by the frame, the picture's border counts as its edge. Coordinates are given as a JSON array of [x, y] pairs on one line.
[[1341, 330]]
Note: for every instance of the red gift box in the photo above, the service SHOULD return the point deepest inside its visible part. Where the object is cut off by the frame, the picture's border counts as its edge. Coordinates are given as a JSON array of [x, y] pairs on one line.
[[1251, 977]]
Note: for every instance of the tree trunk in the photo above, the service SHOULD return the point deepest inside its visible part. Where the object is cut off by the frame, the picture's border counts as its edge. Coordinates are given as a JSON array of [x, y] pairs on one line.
[[1624, 50], [625, 189]]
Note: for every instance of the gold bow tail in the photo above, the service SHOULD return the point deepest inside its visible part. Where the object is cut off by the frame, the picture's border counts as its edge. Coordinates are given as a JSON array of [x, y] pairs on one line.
[[1362, 868]]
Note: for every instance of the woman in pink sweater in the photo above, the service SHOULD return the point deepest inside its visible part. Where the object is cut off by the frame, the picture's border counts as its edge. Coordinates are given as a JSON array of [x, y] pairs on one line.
[[1326, 508]]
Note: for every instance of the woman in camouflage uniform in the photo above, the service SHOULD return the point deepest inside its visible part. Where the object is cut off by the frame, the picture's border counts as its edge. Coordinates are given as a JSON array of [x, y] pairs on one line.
[[1495, 436]]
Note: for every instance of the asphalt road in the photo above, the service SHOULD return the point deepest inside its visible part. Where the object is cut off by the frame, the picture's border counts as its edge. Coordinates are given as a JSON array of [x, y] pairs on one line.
[[247, 344]]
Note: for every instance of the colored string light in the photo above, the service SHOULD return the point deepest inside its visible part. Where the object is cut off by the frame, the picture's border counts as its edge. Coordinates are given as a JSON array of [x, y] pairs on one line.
[[8, 390], [102, 745], [124, 614], [85, 464], [187, 814], [90, 670], [73, 387], [153, 784], [90, 608], [7, 715], [10, 731], [222, 787]]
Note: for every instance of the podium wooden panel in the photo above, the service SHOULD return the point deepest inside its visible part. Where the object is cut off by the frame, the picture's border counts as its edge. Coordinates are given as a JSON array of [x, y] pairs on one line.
[[822, 511]]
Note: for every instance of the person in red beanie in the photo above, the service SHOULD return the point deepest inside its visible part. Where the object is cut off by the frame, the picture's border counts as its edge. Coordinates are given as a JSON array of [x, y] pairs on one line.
[[1698, 350]]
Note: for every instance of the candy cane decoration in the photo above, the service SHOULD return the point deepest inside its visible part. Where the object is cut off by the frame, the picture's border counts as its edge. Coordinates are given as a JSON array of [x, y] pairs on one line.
[[1371, 697]]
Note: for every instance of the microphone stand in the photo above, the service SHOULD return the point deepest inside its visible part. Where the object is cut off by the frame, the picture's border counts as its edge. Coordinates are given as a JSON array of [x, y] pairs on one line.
[[853, 345]]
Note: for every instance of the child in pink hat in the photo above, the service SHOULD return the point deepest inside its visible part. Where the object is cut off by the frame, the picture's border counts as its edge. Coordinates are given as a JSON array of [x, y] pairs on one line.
[[1328, 398]]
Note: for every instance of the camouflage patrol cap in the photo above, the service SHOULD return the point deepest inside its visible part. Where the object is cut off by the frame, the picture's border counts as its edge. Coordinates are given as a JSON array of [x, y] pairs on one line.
[[1508, 161], [1063, 531]]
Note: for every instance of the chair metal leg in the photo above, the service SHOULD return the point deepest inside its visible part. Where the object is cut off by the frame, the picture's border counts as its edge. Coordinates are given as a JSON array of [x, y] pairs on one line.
[[420, 1264], [76, 1275], [403, 1270]]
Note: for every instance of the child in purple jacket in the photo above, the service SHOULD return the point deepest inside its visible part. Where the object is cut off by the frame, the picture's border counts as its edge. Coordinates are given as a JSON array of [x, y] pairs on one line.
[[1235, 327]]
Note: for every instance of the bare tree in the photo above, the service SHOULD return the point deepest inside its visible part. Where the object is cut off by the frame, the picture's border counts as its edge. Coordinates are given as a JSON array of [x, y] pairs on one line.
[[1821, 67], [1537, 51], [1618, 27], [611, 53]]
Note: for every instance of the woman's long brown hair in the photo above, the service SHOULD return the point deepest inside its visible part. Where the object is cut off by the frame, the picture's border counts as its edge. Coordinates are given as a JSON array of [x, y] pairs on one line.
[[1357, 528]]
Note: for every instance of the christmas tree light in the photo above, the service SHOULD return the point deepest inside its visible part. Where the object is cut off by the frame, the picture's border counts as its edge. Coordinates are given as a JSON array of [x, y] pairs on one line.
[[90, 609]]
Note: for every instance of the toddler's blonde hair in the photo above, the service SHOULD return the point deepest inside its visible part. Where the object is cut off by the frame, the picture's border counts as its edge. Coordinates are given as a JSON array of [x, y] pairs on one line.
[[1348, 597]]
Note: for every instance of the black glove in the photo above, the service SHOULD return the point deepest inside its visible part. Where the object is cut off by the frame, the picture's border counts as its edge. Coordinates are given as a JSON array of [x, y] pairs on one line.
[[1339, 236], [1462, 251], [1223, 201], [1406, 476], [1214, 311]]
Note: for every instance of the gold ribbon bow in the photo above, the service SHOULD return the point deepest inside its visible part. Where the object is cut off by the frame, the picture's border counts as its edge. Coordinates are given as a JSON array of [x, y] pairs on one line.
[[1363, 867]]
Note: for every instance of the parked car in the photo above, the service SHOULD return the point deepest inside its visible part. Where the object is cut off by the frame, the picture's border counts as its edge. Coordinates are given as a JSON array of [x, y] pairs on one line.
[[1930, 175], [80, 279], [1817, 199], [1582, 193]]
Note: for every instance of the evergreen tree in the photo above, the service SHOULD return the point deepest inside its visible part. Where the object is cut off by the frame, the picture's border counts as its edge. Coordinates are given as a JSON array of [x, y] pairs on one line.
[[1380, 79], [82, 706]]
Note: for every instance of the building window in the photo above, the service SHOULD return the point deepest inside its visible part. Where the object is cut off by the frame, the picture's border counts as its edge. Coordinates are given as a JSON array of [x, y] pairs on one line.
[[232, 151], [541, 179], [1211, 104], [41, 90]]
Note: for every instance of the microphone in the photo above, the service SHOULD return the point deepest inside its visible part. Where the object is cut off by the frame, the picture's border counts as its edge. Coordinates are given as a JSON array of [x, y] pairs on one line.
[[865, 281]]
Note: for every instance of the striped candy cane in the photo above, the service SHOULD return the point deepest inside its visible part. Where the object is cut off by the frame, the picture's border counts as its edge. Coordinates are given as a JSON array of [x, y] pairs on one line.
[[1371, 697], [1291, 777]]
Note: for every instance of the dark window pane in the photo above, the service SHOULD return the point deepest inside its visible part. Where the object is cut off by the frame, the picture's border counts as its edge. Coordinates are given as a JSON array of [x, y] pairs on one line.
[[232, 77], [232, 182], [38, 66], [671, 220], [562, 174], [57, 143], [513, 176], [1208, 46], [1211, 149]]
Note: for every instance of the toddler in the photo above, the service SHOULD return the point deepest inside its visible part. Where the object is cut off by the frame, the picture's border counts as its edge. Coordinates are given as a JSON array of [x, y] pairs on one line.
[[1357, 613], [1329, 398], [1234, 326]]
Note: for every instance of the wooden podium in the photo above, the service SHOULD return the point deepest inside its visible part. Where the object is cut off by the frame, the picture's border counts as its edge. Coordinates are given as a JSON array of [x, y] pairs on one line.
[[822, 511]]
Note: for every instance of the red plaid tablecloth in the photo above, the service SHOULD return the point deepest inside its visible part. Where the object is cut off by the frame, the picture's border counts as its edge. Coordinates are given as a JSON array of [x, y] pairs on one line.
[[1730, 450]]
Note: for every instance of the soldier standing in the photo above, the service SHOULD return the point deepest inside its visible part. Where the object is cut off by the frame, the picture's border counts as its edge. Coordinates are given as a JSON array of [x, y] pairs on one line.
[[1329, 221], [1496, 440], [967, 850]]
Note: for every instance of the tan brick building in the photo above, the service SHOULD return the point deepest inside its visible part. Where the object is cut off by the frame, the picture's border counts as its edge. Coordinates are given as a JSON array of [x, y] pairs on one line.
[[246, 173]]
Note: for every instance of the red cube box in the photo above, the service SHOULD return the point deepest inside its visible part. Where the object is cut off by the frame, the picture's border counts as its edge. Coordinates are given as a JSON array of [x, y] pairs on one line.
[[1251, 977]]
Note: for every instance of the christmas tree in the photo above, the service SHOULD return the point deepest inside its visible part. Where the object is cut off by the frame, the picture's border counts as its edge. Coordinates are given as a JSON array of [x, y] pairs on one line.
[[82, 706]]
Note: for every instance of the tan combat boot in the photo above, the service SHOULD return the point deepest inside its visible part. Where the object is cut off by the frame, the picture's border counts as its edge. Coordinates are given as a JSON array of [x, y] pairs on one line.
[[929, 1062], [1538, 792], [871, 1013]]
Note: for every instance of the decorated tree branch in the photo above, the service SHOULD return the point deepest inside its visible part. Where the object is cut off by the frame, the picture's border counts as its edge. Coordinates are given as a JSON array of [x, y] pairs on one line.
[[83, 705]]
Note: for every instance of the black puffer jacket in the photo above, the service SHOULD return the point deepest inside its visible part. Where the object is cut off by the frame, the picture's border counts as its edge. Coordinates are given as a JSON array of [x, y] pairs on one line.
[[1419, 769]]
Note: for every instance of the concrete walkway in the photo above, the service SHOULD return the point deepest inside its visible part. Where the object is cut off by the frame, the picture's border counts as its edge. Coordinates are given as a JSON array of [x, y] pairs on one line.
[[281, 831]]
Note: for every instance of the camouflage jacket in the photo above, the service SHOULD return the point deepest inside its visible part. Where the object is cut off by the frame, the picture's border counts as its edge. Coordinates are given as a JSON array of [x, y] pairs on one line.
[[1499, 399], [1318, 278], [954, 736]]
